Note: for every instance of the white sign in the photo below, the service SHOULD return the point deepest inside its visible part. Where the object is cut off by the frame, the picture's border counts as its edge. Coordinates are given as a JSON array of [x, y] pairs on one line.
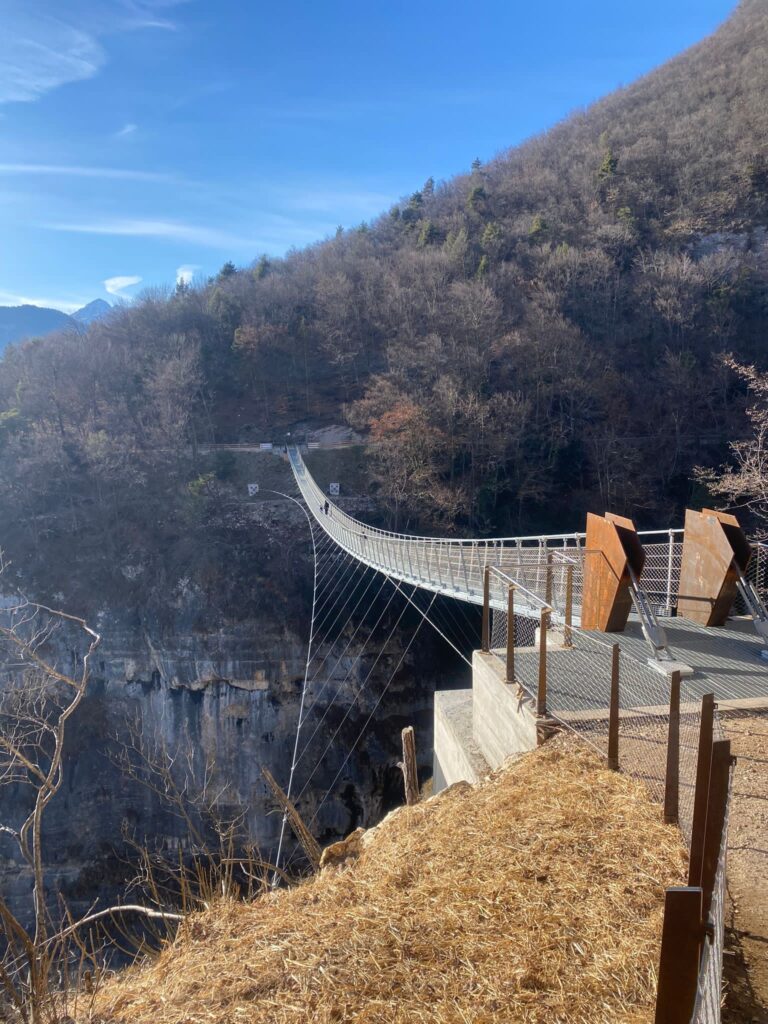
[[333, 490], [252, 489]]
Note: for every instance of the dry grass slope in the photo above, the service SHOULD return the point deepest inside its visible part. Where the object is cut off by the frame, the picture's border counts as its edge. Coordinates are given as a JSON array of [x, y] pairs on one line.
[[534, 897]]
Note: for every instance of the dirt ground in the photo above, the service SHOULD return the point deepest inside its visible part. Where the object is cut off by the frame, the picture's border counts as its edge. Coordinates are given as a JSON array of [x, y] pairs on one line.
[[746, 961]]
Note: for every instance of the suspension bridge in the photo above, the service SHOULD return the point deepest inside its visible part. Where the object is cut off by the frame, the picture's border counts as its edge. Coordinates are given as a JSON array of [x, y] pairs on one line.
[[562, 612], [547, 576]]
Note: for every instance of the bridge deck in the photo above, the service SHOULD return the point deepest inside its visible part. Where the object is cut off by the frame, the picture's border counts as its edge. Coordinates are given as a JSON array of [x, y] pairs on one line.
[[726, 661]]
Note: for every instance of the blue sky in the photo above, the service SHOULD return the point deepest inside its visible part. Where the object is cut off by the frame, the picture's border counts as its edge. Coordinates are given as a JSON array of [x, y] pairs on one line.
[[142, 140]]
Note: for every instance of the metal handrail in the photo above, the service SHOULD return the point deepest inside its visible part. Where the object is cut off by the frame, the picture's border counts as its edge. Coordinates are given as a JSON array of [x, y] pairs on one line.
[[519, 588]]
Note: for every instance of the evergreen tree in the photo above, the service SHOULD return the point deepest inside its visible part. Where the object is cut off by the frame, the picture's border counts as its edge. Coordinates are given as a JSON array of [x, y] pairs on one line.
[[537, 229], [262, 267], [476, 199], [428, 234]]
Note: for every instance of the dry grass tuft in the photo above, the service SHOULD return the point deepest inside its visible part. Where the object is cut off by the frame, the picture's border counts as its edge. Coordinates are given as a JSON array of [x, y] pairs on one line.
[[534, 897]]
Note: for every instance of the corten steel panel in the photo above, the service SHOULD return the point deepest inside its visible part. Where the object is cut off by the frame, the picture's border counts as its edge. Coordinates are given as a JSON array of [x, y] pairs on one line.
[[611, 545], [742, 549], [633, 549], [713, 546]]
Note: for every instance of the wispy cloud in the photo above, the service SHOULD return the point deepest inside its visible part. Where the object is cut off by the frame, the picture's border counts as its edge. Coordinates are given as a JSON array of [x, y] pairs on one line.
[[38, 54], [117, 285], [127, 129], [65, 305], [148, 13], [47, 45], [186, 272], [174, 230], [78, 171]]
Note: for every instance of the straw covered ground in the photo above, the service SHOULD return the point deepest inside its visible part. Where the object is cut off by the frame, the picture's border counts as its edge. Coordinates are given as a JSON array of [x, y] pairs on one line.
[[533, 897]]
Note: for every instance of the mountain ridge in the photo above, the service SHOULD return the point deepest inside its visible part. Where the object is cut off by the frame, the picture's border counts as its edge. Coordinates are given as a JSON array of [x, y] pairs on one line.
[[19, 323]]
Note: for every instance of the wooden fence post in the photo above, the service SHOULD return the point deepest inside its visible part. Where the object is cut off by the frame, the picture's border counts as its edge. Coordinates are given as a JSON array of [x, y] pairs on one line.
[[613, 714], [568, 632], [511, 633], [541, 694], [701, 793], [716, 808], [408, 766], [672, 780], [681, 940], [486, 641]]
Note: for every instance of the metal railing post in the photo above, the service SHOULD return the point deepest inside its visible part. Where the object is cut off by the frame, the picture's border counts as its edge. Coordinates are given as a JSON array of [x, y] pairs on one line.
[[681, 939], [450, 569], [670, 562], [464, 568], [541, 693], [701, 793], [511, 633], [567, 632], [613, 713], [672, 778], [486, 640]]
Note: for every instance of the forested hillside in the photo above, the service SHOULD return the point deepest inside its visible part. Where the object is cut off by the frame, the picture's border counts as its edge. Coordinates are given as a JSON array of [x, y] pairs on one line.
[[538, 337]]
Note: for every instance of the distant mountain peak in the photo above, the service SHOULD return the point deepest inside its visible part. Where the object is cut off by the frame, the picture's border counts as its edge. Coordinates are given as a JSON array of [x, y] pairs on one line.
[[94, 310], [20, 322]]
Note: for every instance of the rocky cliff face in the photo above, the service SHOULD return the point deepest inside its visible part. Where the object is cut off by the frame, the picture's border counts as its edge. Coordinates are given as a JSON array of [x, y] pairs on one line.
[[223, 698]]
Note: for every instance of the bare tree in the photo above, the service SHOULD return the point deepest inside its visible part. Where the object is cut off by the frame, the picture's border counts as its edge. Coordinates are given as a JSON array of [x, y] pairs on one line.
[[37, 699], [214, 855], [746, 483], [45, 663]]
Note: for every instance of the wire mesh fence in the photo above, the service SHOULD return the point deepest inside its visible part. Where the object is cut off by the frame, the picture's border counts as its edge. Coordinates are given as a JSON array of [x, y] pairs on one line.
[[707, 1009], [579, 674], [709, 990], [657, 724]]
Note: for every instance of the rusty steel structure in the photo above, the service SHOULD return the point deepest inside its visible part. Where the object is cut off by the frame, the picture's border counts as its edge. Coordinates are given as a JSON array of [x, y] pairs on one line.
[[716, 555], [612, 557]]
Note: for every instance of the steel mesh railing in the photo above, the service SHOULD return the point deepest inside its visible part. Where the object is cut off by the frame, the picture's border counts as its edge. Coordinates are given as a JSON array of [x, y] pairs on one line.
[[452, 567], [661, 572], [757, 570], [456, 567]]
